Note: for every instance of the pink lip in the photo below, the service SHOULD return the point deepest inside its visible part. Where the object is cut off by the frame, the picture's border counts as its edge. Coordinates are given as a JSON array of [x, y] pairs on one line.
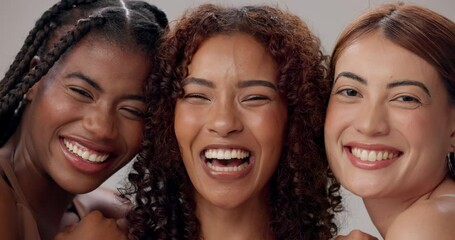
[[82, 165], [226, 176], [369, 165]]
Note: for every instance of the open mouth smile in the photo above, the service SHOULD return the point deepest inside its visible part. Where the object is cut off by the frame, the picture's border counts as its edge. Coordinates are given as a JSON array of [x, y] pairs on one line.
[[374, 155], [85, 153], [227, 160]]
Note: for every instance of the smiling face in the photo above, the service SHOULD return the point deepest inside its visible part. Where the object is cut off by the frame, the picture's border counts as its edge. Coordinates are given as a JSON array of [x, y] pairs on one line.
[[84, 121], [389, 121], [230, 122]]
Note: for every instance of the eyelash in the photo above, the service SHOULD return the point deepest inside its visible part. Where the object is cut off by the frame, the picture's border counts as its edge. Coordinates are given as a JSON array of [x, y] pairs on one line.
[[344, 92], [412, 99], [81, 92], [195, 95], [257, 98], [136, 113]]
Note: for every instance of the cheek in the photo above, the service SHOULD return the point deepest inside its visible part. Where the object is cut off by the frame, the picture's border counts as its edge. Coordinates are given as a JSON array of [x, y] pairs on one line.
[[337, 119], [133, 133], [186, 123]]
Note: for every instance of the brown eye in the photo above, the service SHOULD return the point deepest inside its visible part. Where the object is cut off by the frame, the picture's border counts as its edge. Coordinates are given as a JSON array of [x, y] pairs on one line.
[[348, 92]]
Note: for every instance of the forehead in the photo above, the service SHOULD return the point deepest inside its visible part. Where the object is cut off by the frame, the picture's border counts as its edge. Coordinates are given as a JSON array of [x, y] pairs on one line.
[[239, 53], [373, 56]]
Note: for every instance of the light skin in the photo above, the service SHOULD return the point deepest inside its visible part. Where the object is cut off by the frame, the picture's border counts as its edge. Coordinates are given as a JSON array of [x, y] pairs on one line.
[[388, 101], [231, 102], [92, 99]]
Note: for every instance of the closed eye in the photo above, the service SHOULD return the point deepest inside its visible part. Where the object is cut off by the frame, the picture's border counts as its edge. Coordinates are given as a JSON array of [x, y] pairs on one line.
[[196, 98], [81, 92], [133, 113]]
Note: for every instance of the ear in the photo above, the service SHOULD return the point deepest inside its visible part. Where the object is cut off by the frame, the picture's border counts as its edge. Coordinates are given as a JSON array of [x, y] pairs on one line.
[[452, 129], [35, 60], [32, 91]]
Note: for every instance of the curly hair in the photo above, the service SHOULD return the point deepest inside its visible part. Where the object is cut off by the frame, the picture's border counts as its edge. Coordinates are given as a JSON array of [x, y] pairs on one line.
[[304, 196], [131, 22]]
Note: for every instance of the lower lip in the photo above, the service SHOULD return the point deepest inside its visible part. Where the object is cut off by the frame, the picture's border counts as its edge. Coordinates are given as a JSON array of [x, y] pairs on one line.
[[82, 165], [367, 165], [227, 176]]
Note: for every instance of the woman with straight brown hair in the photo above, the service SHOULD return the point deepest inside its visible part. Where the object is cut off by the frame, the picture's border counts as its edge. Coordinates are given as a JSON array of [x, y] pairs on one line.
[[390, 126]]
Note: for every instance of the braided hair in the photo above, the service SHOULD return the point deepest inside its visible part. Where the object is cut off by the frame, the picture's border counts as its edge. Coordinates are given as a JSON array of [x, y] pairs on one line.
[[134, 23]]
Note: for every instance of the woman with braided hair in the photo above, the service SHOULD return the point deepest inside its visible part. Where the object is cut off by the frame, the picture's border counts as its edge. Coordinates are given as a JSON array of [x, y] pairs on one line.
[[233, 143], [71, 112]]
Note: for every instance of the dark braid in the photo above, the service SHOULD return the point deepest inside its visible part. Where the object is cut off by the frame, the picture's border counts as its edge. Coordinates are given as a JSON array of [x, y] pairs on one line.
[[33, 42], [143, 28]]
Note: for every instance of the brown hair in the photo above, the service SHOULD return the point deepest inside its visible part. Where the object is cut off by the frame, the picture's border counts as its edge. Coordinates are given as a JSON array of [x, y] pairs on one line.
[[417, 29], [301, 205]]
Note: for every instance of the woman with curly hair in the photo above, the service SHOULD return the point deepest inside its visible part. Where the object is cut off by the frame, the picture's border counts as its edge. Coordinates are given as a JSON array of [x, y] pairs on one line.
[[233, 144]]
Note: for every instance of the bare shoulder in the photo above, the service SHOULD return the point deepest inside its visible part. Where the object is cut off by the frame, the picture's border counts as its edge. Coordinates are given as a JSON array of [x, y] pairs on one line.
[[428, 219], [8, 212]]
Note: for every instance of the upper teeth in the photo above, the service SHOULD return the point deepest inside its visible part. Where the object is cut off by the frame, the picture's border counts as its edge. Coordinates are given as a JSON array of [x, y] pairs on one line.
[[367, 155], [226, 153], [84, 153]]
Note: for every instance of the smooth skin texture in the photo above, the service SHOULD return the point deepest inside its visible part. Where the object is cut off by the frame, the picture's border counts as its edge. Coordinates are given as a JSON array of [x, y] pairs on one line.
[[93, 98], [387, 99], [231, 101]]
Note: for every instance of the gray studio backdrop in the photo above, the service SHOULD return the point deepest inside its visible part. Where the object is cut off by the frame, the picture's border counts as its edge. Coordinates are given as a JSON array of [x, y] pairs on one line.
[[325, 17]]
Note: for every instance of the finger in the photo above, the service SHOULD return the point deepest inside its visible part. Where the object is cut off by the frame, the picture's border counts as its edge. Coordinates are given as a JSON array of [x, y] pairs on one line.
[[122, 224], [81, 210]]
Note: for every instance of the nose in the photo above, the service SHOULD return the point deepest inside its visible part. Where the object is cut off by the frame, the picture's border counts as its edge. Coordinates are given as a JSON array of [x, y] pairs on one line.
[[223, 119], [101, 124], [372, 119]]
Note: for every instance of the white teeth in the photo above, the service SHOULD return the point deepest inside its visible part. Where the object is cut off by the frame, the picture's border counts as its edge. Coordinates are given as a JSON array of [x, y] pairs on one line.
[[372, 156], [226, 154], [84, 154], [228, 169]]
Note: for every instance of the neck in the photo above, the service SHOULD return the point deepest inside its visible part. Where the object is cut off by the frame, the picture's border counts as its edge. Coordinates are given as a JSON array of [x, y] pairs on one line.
[[248, 221], [46, 199]]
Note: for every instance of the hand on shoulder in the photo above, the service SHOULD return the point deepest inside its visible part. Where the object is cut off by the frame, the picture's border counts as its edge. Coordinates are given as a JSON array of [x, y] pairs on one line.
[[93, 226]]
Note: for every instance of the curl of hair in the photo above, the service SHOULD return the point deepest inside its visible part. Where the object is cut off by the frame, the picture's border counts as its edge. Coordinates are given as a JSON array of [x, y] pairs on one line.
[[70, 21], [304, 194]]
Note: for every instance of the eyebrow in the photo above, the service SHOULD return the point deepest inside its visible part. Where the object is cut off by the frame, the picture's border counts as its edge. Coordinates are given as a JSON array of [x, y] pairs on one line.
[[409, 83], [242, 84], [352, 76], [397, 83], [86, 79], [250, 83], [98, 87], [199, 81]]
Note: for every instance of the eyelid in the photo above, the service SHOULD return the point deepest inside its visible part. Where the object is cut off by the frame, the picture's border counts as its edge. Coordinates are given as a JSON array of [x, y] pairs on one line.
[[81, 91]]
